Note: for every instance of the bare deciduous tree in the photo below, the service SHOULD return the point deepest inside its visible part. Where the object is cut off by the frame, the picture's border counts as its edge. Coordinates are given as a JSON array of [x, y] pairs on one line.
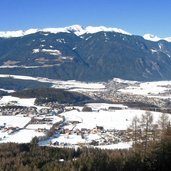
[[147, 126], [163, 123], [135, 126]]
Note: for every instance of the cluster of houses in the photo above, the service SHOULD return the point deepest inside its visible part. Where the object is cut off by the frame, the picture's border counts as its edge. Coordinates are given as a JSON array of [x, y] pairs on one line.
[[37, 116], [15, 110], [9, 130], [45, 115], [101, 136]]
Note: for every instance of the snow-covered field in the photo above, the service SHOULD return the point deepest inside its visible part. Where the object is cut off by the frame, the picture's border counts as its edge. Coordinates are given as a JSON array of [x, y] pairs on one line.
[[38, 126], [154, 88], [69, 139], [122, 145], [119, 119], [28, 102], [18, 101], [105, 106], [22, 136], [8, 91], [150, 89], [14, 121], [79, 86], [72, 85]]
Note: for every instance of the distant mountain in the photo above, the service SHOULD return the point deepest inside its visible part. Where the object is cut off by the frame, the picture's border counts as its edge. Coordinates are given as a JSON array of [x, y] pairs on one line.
[[76, 29], [88, 54]]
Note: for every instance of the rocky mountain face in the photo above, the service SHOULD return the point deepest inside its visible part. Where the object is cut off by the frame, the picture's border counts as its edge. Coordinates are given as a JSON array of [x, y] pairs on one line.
[[90, 56]]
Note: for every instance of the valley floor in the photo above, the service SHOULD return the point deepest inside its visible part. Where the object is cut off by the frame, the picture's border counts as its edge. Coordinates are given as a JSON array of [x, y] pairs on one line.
[[101, 125]]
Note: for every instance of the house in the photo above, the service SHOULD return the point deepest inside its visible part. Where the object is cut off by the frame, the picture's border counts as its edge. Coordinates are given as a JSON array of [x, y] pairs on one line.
[[55, 143], [99, 128]]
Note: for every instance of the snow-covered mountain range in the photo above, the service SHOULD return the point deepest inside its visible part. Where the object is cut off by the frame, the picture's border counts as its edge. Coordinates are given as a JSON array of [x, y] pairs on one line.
[[85, 54], [78, 30]]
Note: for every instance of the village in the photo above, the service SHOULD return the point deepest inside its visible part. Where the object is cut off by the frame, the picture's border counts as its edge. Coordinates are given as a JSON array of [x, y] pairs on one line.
[[42, 120], [91, 125], [105, 124]]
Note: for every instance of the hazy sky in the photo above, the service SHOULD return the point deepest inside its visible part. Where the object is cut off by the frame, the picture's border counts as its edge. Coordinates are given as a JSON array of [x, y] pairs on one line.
[[134, 16]]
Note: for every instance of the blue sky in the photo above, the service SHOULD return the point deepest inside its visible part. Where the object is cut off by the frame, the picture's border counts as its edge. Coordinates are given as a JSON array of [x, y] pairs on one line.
[[135, 16]]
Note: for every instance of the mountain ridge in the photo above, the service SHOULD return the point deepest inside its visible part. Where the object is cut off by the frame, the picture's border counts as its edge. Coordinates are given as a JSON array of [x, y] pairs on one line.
[[78, 30], [98, 56]]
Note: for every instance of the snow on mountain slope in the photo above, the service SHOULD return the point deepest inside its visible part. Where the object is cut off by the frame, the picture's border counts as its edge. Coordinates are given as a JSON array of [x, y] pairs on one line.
[[168, 39], [18, 33], [155, 38], [151, 37], [7, 34], [91, 29], [76, 29]]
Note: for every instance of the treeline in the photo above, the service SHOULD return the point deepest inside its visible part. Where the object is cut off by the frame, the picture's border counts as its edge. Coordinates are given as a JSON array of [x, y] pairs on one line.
[[31, 157], [46, 95], [17, 84], [3, 93]]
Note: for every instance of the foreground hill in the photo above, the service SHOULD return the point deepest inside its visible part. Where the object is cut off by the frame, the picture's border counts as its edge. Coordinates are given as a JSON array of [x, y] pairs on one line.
[[27, 157], [87, 55]]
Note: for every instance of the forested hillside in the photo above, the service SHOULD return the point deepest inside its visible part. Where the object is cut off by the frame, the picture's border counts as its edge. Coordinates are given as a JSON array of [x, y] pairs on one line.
[[97, 56], [31, 157]]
